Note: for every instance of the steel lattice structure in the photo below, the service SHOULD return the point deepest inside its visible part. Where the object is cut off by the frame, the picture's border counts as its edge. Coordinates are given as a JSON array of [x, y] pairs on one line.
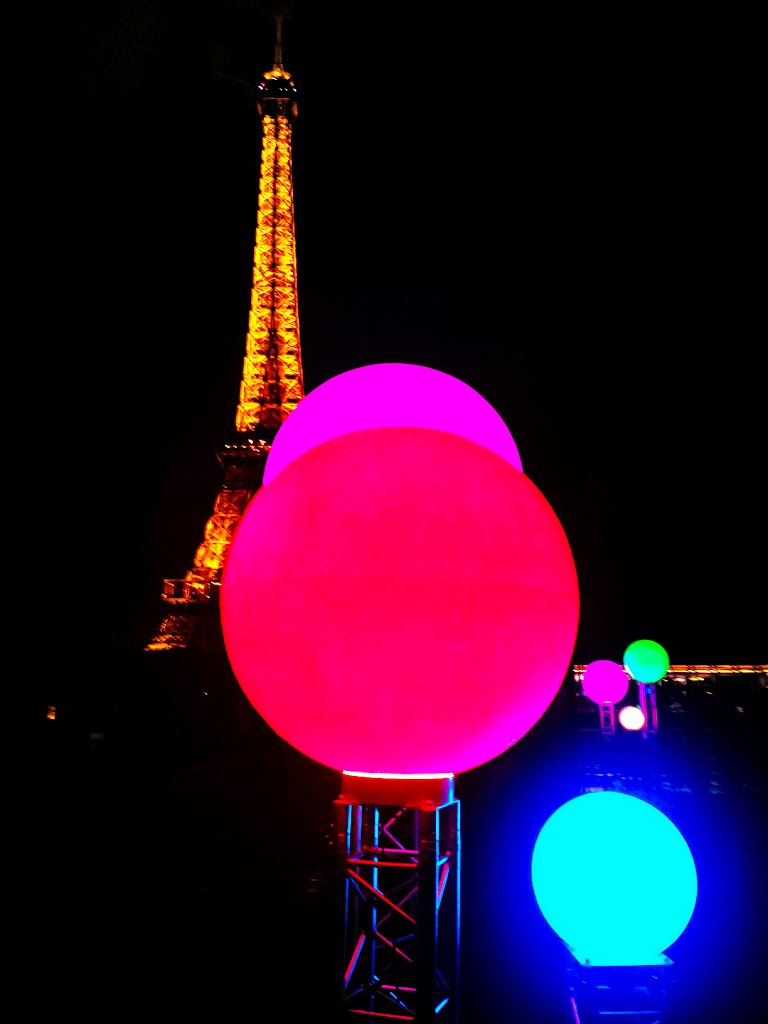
[[272, 381], [401, 868]]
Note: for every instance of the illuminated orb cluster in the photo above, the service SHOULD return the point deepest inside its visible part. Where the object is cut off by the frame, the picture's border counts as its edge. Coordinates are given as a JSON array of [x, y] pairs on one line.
[[584, 862], [606, 682], [399, 598]]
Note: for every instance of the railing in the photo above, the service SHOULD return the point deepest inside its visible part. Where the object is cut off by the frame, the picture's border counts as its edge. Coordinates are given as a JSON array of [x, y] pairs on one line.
[[190, 591], [694, 671]]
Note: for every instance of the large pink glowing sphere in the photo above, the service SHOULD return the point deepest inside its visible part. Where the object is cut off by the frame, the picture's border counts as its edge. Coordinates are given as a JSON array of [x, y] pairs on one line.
[[605, 682], [389, 395], [400, 600]]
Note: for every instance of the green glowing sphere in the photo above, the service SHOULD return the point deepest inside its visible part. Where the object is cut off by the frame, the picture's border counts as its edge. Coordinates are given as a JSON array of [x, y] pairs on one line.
[[646, 661]]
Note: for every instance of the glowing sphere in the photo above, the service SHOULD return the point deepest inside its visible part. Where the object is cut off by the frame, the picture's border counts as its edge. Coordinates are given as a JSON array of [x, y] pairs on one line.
[[646, 661], [581, 861], [389, 395], [400, 600], [605, 682], [631, 718]]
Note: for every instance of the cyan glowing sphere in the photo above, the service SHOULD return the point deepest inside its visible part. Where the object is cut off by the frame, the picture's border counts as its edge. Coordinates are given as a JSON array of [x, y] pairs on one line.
[[605, 682], [646, 661], [631, 718], [389, 395], [400, 600], [582, 859]]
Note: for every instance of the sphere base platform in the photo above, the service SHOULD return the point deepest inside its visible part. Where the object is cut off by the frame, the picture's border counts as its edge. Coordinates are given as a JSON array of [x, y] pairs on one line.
[[397, 790], [631, 993]]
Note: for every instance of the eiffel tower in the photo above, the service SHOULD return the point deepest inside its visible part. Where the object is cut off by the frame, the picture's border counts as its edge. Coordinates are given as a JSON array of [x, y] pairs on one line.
[[423, 888], [272, 381]]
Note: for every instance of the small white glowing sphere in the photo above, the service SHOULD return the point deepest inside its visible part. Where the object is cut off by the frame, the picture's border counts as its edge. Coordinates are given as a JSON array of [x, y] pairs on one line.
[[631, 718]]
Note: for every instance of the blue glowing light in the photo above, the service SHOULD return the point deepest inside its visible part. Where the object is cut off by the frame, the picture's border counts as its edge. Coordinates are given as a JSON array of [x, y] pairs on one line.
[[614, 878]]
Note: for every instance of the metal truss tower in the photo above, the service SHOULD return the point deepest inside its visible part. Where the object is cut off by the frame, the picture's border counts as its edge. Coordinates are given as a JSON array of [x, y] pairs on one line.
[[399, 854], [272, 381]]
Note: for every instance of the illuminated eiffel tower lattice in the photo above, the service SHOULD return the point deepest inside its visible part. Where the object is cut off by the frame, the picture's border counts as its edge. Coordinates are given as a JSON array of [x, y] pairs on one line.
[[272, 381]]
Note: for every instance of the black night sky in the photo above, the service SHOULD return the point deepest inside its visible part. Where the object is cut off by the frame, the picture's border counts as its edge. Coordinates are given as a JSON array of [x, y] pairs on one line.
[[560, 211], [559, 207]]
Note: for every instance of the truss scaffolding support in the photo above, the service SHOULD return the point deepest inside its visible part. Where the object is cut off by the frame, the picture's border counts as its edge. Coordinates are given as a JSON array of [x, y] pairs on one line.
[[607, 718], [646, 693], [400, 869], [632, 994]]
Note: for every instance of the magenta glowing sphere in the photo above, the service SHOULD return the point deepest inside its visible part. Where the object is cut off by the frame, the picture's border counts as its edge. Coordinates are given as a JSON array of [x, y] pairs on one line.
[[631, 718], [400, 600], [389, 395], [605, 682]]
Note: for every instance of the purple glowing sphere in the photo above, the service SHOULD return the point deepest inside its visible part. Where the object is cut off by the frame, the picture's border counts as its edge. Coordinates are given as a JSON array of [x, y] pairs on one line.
[[389, 395], [605, 682]]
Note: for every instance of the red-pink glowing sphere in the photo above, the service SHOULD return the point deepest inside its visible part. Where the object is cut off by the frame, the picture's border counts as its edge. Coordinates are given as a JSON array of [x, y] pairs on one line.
[[389, 395], [400, 600], [605, 682]]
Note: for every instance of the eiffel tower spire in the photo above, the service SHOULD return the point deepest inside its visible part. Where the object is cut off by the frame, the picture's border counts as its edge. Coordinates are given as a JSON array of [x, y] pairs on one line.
[[272, 380]]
